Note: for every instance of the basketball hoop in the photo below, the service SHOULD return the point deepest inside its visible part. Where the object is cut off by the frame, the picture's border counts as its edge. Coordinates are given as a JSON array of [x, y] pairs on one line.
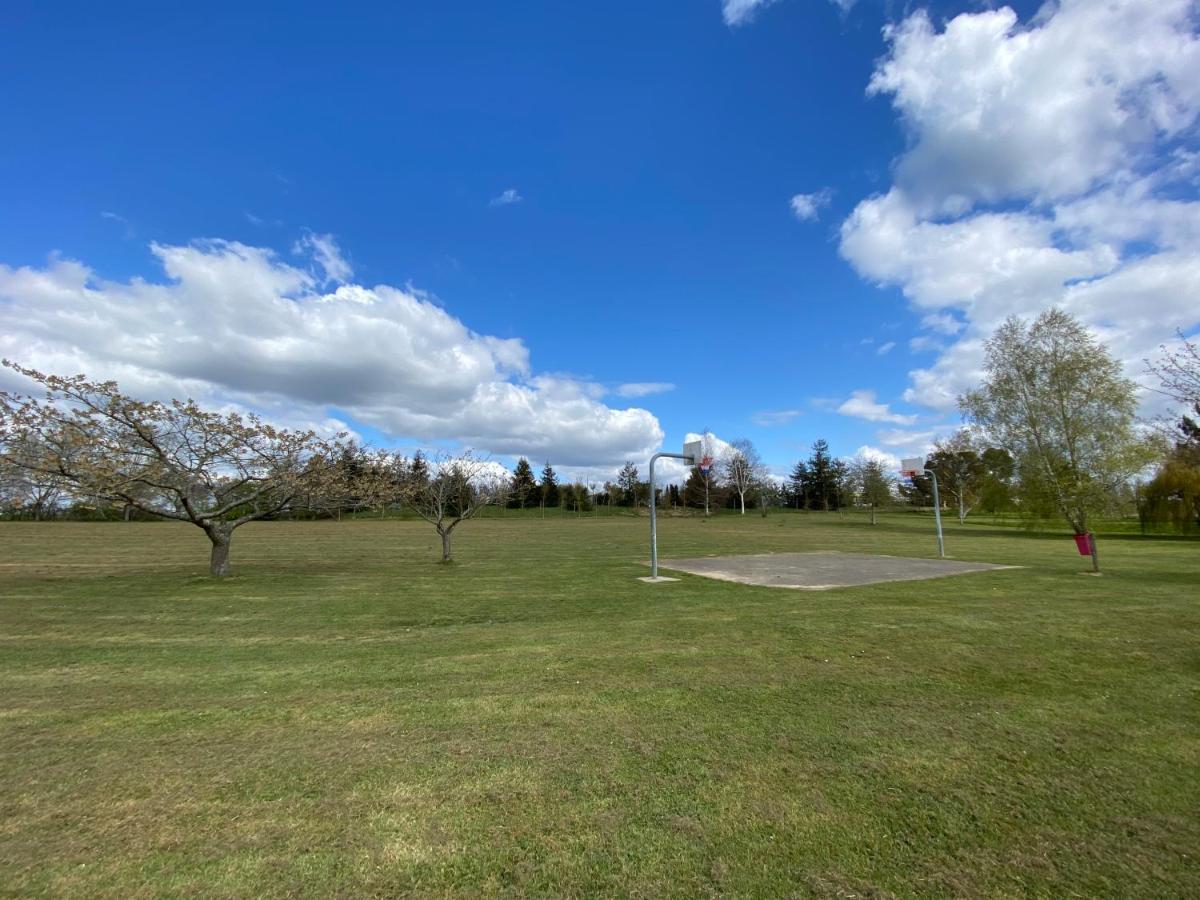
[[706, 464], [911, 468]]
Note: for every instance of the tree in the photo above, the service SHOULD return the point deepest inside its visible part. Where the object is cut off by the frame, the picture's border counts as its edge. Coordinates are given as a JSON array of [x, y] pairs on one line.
[[524, 486], [418, 469], [174, 460], [825, 475], [1055, 399], [742, 469], [627, 479], [1173, 495], [959, 469], [457, 489], [368, 479], [705, 480], [869, 482], [549, 486], [995, 494], [612, 494], [29, 492], [1178, 372], [797, 485]]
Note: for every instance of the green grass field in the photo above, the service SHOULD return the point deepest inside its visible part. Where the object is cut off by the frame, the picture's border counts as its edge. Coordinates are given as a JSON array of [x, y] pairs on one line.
[[346, 716]]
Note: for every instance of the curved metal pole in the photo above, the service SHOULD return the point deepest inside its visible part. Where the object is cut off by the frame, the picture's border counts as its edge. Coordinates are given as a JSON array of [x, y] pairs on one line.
[[937, 513], [654, 508]]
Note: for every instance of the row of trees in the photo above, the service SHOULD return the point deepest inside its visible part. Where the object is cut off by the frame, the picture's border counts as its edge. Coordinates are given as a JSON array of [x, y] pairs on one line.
[[217, 471], [1052, 432]]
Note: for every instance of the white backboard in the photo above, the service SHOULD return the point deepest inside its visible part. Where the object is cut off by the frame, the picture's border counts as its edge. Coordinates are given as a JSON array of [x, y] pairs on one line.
[[694, 449], [912, 464]]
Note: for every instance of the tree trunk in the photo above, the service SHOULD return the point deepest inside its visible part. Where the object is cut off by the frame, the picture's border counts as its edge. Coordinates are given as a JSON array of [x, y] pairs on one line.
[[742, 498], [1095, 556], [445, 544], [962, 513], [872, 513], [218, 565]]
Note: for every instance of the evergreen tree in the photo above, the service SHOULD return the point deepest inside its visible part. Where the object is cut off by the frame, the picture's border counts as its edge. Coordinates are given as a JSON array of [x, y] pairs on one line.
[[627, 478], [524, 485], [823, 485], [418, 470], [549, 486], [797, 486], [701, 491]]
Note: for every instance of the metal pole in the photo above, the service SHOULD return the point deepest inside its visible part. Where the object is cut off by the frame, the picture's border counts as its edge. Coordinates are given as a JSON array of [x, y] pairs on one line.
[[654, 509], [937, 513]]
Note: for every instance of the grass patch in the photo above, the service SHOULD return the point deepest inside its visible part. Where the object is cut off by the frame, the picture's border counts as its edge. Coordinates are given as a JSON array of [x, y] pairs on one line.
[[347, 716]]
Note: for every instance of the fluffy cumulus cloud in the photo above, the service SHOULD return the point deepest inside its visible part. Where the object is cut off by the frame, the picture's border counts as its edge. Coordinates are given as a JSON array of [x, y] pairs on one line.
[[1051, 162], [233, 325], [889, 461], [863, 405]]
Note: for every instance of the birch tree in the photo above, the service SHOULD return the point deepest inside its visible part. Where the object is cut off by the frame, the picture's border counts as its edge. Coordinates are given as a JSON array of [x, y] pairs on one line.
[[1055, 399], [217, 471], [742, 469]]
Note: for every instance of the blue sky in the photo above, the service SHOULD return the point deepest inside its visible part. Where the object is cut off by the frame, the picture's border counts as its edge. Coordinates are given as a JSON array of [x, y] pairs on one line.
[[567, 198]]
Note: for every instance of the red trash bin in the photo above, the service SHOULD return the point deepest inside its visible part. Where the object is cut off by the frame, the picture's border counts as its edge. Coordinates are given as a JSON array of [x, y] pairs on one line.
[[1084, 543]]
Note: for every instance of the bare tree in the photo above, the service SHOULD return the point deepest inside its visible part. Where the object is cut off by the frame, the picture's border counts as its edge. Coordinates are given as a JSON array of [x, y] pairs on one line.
[[457, 489], [708, 451], [742, 468], [27, 492], [174, 460], [1178, 372]]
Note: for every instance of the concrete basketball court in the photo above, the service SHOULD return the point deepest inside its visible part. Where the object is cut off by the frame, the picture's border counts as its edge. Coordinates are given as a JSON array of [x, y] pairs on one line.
[[822, 571]]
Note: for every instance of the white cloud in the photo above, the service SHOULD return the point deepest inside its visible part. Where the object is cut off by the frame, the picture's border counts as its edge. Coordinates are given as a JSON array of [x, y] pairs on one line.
[[644, 388], [890, 462], [885, 349], [234, 325], [1046, 111], [326, 254], [863, 405], [907, 439], [1050, 163], [807, 207], [506, 198], [740, 12], [923, 343], [771, 418]]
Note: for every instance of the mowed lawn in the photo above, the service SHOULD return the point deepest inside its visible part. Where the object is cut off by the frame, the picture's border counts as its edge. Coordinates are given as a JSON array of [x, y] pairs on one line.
[[346, 716]]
